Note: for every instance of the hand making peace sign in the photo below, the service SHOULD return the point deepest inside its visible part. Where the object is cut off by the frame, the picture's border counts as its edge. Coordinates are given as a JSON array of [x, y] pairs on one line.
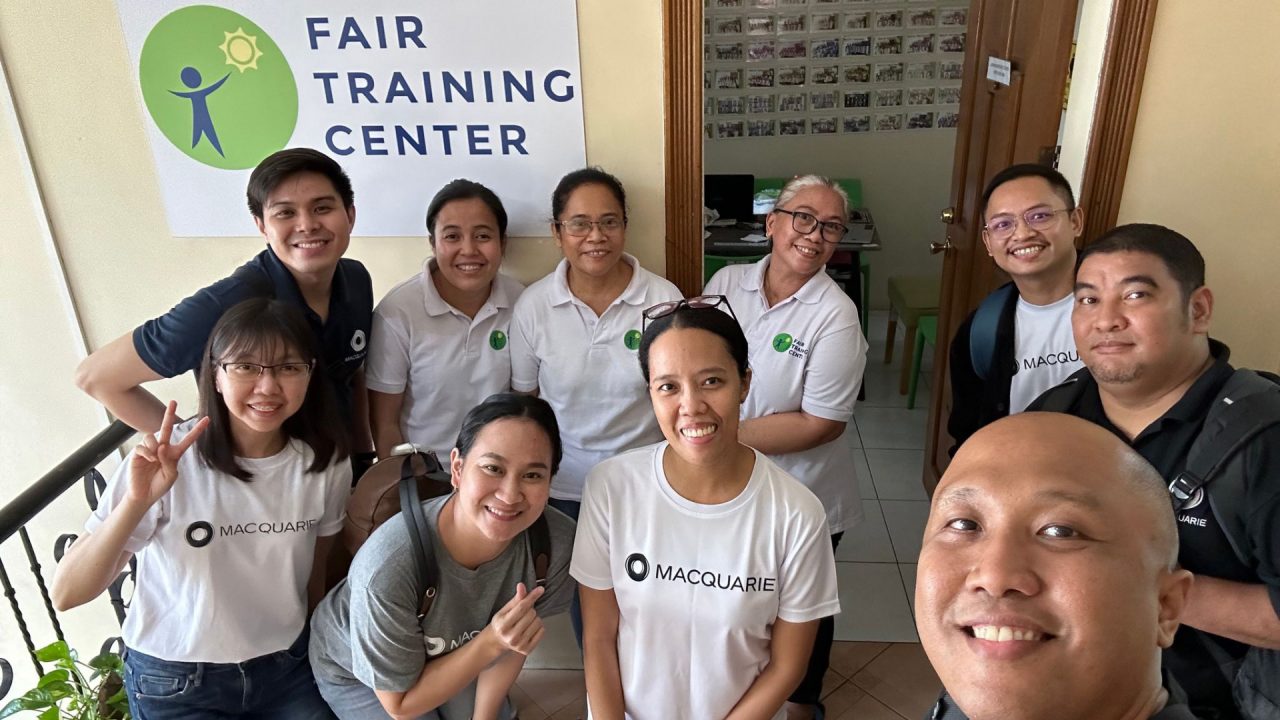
[[154, 467]]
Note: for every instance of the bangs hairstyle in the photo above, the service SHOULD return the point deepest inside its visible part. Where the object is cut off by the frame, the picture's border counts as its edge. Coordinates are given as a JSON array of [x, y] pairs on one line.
[[586, 176], [800, 182], [511, 405], [1179, 255], [265, 329], [280, 166], [713, 320], [463, 189]]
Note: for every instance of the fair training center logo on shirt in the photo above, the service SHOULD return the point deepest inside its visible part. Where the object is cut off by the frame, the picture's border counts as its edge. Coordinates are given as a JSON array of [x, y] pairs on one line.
[[631, 339], [497, 339], [218, 87]]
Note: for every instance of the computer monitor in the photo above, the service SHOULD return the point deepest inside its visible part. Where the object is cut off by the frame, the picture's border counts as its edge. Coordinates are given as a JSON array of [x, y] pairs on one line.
[[729, 195]]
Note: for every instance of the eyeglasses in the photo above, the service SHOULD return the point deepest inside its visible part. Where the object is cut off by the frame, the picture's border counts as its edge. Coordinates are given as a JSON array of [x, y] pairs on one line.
[[250, 372], [580, 227], [804, 223], [701, 302], [1002, 227]]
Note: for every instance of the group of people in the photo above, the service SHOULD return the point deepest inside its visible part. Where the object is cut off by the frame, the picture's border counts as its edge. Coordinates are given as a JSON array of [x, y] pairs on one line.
[[687, 457]]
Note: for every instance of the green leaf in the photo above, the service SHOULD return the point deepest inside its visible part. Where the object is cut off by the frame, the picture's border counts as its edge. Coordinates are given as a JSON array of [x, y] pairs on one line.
[[106, 663], [50, 714], [54, 652], [54, 676]]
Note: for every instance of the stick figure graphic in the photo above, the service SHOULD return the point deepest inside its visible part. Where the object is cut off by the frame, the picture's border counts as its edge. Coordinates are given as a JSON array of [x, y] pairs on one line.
[[201, 121]]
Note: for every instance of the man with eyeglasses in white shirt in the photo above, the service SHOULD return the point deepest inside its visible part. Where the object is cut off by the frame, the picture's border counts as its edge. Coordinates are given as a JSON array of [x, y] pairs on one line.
[[1018, 342]]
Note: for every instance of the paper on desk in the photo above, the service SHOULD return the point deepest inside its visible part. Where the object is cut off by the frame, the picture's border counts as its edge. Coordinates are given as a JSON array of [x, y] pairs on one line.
[[754, 238]]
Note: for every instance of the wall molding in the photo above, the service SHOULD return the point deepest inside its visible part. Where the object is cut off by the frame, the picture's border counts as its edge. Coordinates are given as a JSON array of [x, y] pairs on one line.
[[682, 95]]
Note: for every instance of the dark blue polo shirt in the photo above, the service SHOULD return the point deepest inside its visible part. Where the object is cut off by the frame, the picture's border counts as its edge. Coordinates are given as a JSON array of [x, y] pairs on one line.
[[174, 342]]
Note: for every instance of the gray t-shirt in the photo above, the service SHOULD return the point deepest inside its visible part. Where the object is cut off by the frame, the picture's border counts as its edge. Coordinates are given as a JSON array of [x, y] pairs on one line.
[[366, 630]]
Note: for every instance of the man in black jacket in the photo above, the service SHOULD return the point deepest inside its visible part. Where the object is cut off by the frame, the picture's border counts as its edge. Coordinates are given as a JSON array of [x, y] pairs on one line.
[[1018, 343]]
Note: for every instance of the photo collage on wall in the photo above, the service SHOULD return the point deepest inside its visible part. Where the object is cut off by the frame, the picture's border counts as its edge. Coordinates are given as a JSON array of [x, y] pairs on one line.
[[826, 67]]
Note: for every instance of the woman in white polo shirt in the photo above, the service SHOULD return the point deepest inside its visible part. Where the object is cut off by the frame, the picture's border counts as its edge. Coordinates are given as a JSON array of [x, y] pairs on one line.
[[807, 355], [575, 332], [439, 341], [703, 566]]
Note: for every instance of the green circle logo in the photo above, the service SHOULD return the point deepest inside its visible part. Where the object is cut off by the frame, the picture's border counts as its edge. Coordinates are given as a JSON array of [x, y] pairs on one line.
[[218, 87], [631, 339], [497, 339], [782, 342]]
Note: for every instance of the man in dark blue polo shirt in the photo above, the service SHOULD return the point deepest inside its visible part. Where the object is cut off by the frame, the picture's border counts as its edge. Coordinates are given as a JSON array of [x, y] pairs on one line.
[[302, 203]]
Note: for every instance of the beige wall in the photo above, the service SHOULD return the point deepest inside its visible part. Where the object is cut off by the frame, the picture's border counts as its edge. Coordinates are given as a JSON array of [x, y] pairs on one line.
[[1206, 158], [906, 181], [85, 127]]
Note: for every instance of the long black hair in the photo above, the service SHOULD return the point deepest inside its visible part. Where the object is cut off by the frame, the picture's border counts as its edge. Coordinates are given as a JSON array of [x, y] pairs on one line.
[[262, 327], [511, 405]]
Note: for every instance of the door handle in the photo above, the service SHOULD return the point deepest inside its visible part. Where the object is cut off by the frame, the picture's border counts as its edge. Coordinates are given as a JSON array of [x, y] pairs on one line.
[[937, 247], [948, 215]]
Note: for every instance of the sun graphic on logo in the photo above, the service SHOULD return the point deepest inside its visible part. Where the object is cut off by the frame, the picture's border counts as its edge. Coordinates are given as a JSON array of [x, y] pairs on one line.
[[241, 49]]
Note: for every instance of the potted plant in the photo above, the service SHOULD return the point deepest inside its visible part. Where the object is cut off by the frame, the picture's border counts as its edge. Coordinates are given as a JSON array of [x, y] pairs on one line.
[[65, 692]]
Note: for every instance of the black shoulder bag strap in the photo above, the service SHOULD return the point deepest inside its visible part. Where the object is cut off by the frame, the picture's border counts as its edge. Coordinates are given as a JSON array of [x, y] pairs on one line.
[[416, 520], [1248, 404], [983, 330], [540, 548]]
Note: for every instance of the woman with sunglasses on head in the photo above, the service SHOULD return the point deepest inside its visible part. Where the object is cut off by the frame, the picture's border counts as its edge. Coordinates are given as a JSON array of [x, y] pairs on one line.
[[703, 567], [575, 332], [375, 656], [439, 341], [231, 537], [808, 354]]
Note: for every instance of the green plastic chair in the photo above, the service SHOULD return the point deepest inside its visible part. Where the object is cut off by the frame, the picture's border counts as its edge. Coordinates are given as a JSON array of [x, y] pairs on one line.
[[711, 264], [926, 332], [773, 183]]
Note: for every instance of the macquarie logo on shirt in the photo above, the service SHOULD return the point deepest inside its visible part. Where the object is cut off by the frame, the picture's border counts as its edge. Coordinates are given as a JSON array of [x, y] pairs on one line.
[[1062, 357], [438, 645], [202, 532], [639, 569]]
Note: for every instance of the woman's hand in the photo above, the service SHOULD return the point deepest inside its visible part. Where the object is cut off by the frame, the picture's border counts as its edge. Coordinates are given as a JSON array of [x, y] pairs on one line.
[[517, 627], [154, 467]]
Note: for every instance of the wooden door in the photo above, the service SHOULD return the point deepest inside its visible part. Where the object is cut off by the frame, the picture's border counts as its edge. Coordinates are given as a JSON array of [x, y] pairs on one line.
[[999, 125]]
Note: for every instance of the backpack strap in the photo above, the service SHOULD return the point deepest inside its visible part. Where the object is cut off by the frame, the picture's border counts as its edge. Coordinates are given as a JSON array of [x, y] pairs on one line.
[[416, 520], [1063, 397], [1248, 404], [540, 548], [982, 331]]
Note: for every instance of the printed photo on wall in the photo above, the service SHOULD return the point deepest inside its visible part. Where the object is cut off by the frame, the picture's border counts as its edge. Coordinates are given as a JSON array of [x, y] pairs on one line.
[[733, 105], [919, 44], [887, 19], [792, 3], [888, 72], [857, 99], [708, 131], [791, 126], [886, 123], [920, 96], [920, 121], [788, 49], [856, 123], [857, 46], [760, 77], [792, 23], [728, 79], [948, 119], [764, 3], [823, 126], [922, 71], [951, 43], [721, 4], [951, 71], [948, 96], [857, 21], [824, 22], [825, 75], [727, 26], [761, 25], [792, 102], [826, 2], [791, 75], [761, 50], [757, 104], [762, 128], [822, 100], [955, 16], [889, 98], [889, 45], [731, 129], [829, 48], [728, 52], [860, 73], [922, 17]]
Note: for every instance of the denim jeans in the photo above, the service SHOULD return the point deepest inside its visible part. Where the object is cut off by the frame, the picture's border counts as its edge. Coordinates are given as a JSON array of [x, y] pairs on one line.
[[810, 689], [572, 508], [278, 686]]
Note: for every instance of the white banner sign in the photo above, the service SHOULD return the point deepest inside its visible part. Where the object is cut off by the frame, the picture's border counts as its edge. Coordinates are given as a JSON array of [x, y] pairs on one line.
[[405, 94]]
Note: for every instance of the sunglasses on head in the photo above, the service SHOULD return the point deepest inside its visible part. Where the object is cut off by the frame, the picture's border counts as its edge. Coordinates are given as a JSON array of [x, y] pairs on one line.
[[700, 302]]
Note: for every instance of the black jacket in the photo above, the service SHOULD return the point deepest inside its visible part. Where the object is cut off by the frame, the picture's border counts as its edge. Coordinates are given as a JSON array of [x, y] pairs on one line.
[[974, 402]]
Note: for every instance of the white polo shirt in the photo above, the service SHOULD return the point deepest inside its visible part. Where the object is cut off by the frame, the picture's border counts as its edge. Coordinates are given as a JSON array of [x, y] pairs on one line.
[[444, 362], [807, 353], [700, 586], [586, 367], [223, 564]]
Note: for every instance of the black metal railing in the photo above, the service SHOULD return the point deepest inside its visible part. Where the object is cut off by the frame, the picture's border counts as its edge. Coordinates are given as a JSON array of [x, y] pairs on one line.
[[80, 466]]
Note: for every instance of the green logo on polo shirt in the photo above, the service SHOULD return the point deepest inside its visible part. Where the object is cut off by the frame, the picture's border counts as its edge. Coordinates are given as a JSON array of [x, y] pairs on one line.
[[782, 342], [497, 339], [631, 339]]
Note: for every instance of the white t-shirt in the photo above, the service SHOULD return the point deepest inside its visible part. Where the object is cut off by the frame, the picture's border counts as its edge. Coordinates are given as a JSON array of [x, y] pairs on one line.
[[222, 563], [806, 353], [444, 362], [699, 586], [1044, 350], [586, 367]]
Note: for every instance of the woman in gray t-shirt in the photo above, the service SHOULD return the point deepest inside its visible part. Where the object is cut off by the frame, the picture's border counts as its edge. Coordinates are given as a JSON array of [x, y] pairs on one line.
[[371, 653]]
